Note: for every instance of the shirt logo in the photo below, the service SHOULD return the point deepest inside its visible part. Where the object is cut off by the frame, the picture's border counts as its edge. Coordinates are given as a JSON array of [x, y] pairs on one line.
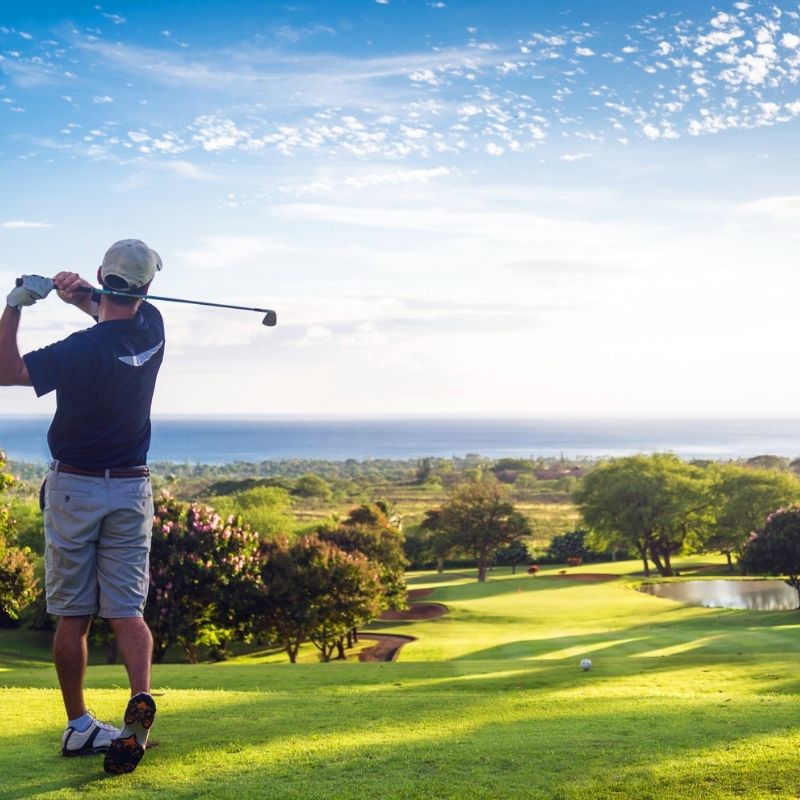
[[139, 359]]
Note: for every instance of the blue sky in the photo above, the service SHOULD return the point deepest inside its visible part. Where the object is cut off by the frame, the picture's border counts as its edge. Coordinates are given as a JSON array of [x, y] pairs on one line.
[[583, 209]]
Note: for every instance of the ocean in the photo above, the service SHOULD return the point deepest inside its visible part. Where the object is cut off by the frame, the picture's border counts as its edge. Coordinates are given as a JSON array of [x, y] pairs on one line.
[[220, 440]]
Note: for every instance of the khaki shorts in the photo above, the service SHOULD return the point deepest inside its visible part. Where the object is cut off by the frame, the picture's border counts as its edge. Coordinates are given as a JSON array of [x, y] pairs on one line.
[[97, 545]]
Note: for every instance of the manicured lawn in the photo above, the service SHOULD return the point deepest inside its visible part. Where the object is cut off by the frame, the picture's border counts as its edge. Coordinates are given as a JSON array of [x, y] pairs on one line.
[[489, 702]]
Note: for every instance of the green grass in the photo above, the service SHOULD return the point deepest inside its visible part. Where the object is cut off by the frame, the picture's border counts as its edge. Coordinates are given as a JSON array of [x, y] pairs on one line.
[[489, 702]]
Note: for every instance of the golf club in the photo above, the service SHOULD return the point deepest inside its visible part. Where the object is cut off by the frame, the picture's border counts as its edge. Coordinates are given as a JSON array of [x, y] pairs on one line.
[[270, 317]]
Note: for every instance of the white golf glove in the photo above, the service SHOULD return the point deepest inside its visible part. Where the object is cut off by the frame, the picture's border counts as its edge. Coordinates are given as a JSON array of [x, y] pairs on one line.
[[30, 288]]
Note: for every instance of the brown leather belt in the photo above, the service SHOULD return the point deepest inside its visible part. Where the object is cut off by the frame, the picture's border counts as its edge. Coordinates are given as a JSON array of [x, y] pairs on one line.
[[117, 472]]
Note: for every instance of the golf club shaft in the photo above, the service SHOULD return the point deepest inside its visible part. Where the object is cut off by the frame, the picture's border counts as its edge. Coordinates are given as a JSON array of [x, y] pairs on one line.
[[269, 319], [114, 292]]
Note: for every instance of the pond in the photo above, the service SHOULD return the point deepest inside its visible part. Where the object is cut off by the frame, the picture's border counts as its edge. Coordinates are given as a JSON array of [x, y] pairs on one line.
[[765, 595]]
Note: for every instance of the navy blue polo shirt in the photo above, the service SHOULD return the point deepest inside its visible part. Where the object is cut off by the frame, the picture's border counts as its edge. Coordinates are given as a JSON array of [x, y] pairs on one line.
[[104, 379]]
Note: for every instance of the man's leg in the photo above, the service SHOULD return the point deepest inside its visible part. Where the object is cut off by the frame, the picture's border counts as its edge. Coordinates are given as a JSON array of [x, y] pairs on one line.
[[71, 655], [124, 579], [135, 645]]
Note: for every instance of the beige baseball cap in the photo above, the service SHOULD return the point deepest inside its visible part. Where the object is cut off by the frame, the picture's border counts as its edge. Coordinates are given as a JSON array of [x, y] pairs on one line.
[[129, 264]]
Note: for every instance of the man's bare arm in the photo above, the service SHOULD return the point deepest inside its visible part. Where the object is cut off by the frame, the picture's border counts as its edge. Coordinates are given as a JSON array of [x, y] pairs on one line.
[[67, 283], [13, 371]]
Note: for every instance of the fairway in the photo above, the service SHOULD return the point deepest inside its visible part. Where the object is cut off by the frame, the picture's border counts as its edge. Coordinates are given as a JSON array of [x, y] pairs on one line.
[[489, 701]]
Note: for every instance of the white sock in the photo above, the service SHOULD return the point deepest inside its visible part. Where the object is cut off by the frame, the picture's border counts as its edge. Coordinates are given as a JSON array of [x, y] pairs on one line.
[[81, 723]]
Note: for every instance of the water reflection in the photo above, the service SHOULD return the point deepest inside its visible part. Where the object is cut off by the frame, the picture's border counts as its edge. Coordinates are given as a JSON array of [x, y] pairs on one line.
[[752, 595]]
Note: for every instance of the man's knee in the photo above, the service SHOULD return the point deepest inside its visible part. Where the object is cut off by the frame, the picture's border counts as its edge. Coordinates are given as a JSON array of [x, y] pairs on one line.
[[130, 627], [75, 626]]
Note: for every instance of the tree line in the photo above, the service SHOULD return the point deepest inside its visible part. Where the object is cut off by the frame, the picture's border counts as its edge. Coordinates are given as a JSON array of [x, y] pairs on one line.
[[231, 573], [659, 506]]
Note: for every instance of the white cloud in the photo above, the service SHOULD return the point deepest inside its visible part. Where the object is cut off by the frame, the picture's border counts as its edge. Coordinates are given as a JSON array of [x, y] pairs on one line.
[[717, 39], [155, 170], [102, 99], [316, 334], [215, 133], [790, 40], [23, 225], [575, 156], [469, 110], [584, 51], [785, 207], [494, 149], [750, 69], [226, 252], [425, 76], [523, 229], [395, 177], [651, 132]]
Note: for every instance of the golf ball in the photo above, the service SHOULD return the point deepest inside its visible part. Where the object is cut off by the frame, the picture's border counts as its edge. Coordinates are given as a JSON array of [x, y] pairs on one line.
[[586, 664]]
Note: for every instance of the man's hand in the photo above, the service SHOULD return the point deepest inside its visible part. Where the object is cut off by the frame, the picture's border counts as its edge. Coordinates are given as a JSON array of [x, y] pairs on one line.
[[67, 284], [30, 288]]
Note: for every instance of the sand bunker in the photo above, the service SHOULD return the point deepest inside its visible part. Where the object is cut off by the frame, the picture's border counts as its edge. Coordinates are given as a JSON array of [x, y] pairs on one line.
[[388, 645], [416, 611]]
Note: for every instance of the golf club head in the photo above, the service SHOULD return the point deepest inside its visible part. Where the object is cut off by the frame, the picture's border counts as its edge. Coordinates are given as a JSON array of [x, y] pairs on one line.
[[270, 319]]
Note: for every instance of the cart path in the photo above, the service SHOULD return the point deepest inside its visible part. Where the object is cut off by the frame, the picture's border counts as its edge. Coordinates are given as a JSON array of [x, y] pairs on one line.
[[387, 647]]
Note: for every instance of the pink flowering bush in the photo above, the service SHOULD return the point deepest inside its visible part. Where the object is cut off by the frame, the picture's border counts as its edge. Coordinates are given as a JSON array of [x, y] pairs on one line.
[[199, 564]]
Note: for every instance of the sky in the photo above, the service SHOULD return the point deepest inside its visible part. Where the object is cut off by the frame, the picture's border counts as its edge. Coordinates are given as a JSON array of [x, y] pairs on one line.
[[577, 209]]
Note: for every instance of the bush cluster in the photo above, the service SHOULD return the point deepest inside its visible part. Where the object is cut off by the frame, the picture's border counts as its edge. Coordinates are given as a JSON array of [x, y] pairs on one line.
[[214, 580]]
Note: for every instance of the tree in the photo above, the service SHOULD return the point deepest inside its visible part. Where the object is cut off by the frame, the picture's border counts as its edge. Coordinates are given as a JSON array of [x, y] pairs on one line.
[[775, 548], [567, 545], [430, 541], [371, 529], [743, 498], [512, 555], [26, 523], [478, 518], [312, 486], [264, 508], [768, 462], [199, 564], [354, 596], [18, 586], [308, 589], [424, 471], [656, 504]]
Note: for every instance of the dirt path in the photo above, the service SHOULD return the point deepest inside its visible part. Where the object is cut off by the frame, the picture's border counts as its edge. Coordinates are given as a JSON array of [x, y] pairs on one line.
[[387, 647]]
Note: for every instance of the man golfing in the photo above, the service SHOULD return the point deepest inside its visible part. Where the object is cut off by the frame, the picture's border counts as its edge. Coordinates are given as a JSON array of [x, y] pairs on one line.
[[97, 499]]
